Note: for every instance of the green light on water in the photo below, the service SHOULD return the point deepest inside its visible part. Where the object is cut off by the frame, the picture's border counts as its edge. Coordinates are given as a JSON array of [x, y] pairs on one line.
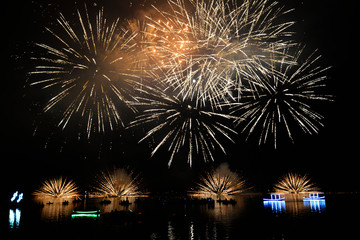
[[75, 215], [87, 214]]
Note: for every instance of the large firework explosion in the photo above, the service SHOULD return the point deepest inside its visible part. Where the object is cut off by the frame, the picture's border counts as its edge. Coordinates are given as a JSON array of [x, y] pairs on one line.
[[295, 183], [220, 182], [282, 97], [192, 69], [181, 122], [117, 182], [89, 70], [57, 188], [215, 40]]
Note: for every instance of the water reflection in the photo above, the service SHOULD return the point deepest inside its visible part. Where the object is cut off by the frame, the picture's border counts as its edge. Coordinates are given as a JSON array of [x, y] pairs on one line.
[[184, 219], [196, 219], [57, 210], [301, 208], [191, 229], [171, 234], [226, 212], [114, 205], [316, 205], [14, 218], [296, 206], [275, 206]]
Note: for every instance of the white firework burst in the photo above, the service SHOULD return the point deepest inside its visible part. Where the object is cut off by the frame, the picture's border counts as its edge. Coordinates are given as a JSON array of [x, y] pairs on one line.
[[88, 69]]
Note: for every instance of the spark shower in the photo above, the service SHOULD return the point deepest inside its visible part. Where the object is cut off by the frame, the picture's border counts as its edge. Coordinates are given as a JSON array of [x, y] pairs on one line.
[[192, 73]]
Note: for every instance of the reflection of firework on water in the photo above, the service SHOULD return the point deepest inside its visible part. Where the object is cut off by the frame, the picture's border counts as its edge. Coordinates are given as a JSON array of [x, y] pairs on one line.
[[295, 183], [221, 38], [220, 182], [117, 183], [88, 68], [57, 188], [183, 122], [282, 98]]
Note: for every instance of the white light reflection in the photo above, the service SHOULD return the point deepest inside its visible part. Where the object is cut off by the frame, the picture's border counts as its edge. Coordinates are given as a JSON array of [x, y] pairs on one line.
[[11, 218], [14, 218], [171, 235], [17, 217], [191, 230], [316, 205], [276, 206]]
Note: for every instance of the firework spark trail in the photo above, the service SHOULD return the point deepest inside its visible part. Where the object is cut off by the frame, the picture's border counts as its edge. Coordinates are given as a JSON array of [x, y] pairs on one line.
[[219, 38], [144, 36], [220, 182], [57, 188], [118, 183], [201, 56], [90, 69], [197, 81], [183, 122], [295, 183], [283, 98]]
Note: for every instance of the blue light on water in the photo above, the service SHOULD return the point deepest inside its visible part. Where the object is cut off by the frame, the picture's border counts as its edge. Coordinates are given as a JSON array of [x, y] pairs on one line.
[[14, 218], [276, 206], [11, 218], [316, 205]]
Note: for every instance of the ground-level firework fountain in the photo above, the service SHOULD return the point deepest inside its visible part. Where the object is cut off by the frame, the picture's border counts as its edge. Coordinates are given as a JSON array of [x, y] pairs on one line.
[[294, 183], [220, 182], [57, 188], [117, 183]]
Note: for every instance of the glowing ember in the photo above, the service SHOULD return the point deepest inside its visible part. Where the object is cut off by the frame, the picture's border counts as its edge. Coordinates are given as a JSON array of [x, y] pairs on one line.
[[220, 182], [57, 188], [117, 183], [295, 183]]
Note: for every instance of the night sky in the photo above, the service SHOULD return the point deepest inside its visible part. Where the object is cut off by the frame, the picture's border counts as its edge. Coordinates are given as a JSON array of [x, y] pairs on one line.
[[330, 157]]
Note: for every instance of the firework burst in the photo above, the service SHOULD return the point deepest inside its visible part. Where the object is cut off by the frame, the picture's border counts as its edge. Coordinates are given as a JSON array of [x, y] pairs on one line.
[[281, 97], [117, 183], [295, 183], [57, 188], [89, 68], [216, 40], [211, 63], [143, 37], [220, 182], [182, 122]]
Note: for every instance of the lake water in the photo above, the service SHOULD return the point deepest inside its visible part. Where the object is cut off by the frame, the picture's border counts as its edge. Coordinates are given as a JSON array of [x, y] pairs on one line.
[[250, 218]]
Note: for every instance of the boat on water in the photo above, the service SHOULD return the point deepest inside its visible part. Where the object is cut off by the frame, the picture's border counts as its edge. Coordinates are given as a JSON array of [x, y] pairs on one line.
[[315, 196], [276, 202], [275, 197]]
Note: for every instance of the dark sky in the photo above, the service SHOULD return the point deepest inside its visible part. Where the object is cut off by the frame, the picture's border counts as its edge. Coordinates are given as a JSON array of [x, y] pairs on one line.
[[330, 157]]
